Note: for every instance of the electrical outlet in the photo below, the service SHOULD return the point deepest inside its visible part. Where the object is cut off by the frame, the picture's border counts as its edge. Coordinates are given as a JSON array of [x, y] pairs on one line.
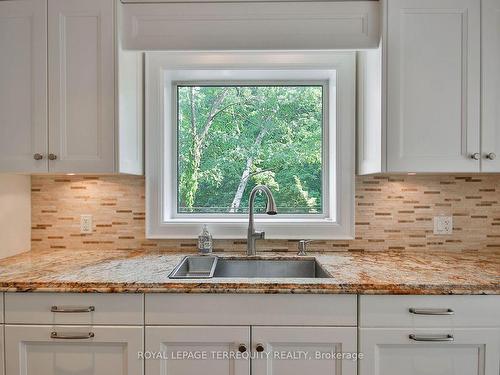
[[443, 224], [85, 223]]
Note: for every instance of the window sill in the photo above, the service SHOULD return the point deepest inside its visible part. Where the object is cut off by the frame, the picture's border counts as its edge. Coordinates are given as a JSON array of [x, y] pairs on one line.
[[294, 229]]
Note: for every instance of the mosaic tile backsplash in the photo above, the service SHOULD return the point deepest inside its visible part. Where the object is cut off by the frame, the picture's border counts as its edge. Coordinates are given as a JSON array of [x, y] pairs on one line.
[[392, 213]]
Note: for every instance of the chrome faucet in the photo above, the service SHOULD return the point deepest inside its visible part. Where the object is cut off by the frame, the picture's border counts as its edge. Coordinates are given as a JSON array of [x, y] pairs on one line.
[[254, 235]]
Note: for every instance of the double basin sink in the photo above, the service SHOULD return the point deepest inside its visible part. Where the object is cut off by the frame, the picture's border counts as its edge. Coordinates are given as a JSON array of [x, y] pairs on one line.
[[203, 267]]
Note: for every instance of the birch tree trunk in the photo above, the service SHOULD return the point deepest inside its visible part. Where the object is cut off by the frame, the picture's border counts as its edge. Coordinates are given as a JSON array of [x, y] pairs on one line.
[[199, 137], [235, 205]]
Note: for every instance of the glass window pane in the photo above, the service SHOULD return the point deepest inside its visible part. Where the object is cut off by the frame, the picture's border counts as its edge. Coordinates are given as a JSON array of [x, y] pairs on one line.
[[231, 138]]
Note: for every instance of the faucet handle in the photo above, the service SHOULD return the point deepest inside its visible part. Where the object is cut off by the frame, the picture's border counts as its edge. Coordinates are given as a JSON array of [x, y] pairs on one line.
[[302, 245]]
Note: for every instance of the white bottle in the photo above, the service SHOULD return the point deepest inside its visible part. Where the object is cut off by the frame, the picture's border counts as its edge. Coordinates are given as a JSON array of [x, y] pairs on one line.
[[205, 241]]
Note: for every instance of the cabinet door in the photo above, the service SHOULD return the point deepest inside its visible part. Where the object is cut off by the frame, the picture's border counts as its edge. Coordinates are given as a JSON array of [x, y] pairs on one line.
[[2, 363], [171, 343], [30, 350], [392, 352], [303, 350], [491, 85], [433, 85], [81, 85], [23, 86]]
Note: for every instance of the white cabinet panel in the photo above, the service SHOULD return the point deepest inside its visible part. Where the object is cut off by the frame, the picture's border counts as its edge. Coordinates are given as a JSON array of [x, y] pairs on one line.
[[130, 112], [392, 352], [169, 341], [251, 309], [30, 350], [268, 25], [433, 85], [1, 307], [2, 360], [81, 85], [491, 85], [311, 346], [23, 85]]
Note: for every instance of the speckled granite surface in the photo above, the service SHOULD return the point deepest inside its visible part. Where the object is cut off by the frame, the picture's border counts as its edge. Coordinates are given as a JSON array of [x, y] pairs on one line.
[[352, 272]]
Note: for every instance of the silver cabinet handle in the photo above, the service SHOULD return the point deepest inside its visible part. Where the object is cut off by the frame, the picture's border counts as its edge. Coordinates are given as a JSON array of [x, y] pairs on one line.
[[491, 156], [475, 156], [38, 156], [433, 338], [416, 311], [52, 156], [72, 309], [55, 335]]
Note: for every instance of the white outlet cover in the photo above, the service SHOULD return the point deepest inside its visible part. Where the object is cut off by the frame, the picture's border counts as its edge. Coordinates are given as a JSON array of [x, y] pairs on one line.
[[443, 224], [85, 223]]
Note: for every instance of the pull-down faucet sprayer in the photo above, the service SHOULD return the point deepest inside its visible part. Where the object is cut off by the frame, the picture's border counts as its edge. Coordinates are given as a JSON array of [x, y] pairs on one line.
[[271, 209]]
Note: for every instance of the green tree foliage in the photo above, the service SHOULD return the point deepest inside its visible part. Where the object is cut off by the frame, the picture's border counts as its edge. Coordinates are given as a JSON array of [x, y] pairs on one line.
[[231, 138]]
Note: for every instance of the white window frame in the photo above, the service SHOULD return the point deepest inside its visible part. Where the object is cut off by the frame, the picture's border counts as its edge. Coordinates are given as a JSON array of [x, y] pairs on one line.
[[328, 205], [164, 69]]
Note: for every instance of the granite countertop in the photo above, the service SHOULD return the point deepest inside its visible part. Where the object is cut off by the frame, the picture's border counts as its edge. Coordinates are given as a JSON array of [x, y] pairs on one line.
[[352, 272]]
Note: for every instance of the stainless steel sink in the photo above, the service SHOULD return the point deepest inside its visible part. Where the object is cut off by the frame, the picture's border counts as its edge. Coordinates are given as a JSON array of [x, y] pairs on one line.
[[203, 267], [270, 268]]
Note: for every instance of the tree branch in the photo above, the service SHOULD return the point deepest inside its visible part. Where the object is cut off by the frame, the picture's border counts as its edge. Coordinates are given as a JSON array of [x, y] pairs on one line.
[[213, 110], [193, 112]]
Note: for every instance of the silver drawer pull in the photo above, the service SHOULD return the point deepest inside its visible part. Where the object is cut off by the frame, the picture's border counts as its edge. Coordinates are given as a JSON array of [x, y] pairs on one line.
[[433, 338], [72, 309], [431, 311], [55, 335]]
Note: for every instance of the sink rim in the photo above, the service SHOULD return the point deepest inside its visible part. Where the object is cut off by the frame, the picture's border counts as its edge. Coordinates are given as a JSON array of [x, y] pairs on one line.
[[219, 260]]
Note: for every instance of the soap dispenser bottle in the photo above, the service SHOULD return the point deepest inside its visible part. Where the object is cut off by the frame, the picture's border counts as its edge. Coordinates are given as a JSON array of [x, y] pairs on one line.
[[205, 241]]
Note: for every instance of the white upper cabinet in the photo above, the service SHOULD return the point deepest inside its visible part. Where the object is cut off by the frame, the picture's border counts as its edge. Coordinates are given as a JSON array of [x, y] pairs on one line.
[[60, 90], [23, 86], [429, 97], [433, 86], [491, 85], [81, 85], [435, 116]]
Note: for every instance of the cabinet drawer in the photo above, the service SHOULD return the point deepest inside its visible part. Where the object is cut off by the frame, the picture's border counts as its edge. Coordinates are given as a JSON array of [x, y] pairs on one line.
[[461, 351], [73, 308], [251, 309], [50, 350], [429, 311]]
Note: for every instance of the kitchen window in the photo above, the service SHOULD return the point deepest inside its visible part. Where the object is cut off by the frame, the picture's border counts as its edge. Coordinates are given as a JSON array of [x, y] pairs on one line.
[[219, 123]]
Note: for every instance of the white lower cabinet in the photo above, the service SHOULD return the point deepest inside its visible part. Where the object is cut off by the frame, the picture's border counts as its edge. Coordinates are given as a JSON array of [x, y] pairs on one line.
[[429, 335], [393, 352], [168, 347], [304, 350], [70, 350], [2, 363], [226, 350]]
